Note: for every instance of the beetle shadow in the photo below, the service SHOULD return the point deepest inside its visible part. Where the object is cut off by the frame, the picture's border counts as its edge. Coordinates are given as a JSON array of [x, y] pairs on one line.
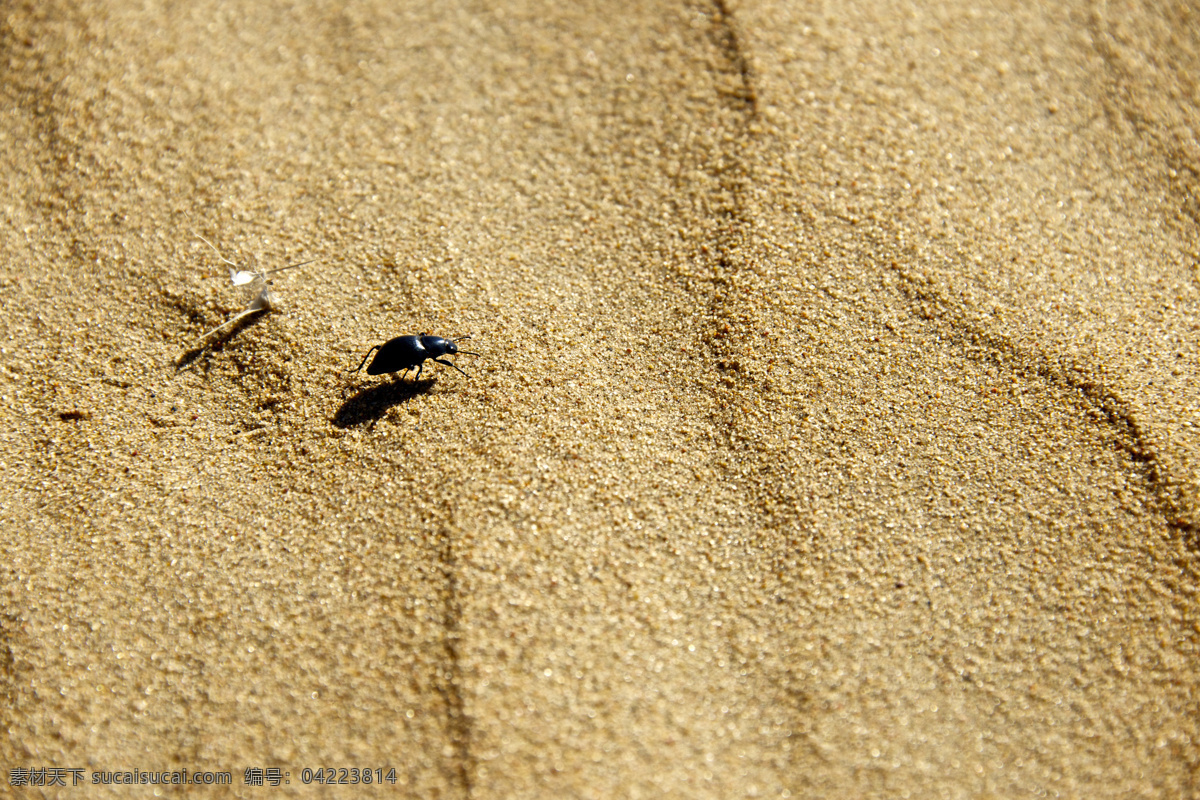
[[369, 404], [218, 342]]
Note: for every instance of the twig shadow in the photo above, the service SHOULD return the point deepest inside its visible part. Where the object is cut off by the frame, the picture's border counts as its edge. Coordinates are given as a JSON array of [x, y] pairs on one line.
[[216, 342], [373, 402]]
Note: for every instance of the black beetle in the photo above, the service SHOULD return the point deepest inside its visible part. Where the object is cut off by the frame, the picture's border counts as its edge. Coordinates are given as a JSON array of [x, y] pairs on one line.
[[406, 352]]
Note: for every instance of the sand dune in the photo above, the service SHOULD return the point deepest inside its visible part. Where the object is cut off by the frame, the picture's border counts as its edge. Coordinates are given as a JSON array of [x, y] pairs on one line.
[[834, 431]]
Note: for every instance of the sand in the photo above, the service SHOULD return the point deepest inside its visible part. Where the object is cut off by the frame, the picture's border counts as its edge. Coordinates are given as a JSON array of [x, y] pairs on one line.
[[835, 430]]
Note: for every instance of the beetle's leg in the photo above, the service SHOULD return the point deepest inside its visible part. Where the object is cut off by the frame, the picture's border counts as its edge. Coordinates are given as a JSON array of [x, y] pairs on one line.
[[420, 367], [448, 364], [368, 355]]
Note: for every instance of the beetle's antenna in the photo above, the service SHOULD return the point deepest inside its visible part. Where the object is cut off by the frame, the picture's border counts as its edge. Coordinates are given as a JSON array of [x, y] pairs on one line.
[[463, 352], [215, 250], [244, 313], [289, 266], [262, 275], [263, 302], [368, 355]]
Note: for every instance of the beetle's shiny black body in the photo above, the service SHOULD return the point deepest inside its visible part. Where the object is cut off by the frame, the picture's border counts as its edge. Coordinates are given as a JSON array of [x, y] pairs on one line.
[[406, 352]]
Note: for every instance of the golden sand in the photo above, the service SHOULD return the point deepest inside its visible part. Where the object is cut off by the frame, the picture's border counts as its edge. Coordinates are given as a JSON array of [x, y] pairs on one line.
[[834, 434]]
